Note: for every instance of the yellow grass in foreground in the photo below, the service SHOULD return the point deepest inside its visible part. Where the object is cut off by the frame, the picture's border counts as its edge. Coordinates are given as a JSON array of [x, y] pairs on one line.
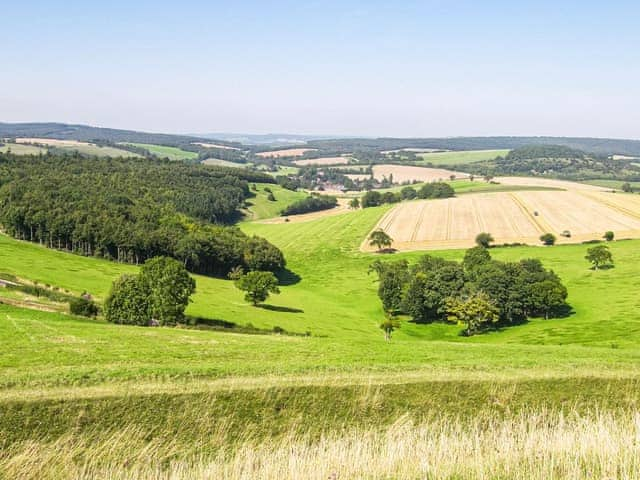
[[534, 445]]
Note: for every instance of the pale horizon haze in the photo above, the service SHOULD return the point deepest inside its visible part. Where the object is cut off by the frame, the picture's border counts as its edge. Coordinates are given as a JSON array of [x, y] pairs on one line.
[[349, 68]]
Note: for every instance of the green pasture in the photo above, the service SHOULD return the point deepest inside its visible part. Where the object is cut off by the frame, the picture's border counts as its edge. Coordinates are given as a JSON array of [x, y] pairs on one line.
[[460, 157], [172, 153]]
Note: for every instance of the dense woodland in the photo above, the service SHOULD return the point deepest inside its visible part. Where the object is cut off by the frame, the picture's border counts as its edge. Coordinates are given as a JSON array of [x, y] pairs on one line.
[[132, 210], [312, 203], [556, 161]]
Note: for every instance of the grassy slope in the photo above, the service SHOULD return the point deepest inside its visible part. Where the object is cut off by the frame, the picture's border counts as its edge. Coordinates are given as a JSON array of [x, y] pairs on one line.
[[467, 186], [338, 306], [615, 184], [172, 153], [460, 158], [260, 207]]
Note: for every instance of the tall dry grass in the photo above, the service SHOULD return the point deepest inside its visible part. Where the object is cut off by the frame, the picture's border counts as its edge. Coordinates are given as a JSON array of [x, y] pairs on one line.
[[534, 445]]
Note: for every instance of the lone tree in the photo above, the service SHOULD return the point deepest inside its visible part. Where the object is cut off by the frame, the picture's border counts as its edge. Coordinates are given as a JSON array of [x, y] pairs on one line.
[[390, 324], [626, 187], [354, 204], [257, 285], [599, 256], [548, 238], [169, 286], [477, 312], [484, 239], [380, 239], [608, 236]]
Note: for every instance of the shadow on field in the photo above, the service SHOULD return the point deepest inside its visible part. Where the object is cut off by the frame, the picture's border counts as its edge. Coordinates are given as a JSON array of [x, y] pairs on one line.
[[278, 308], [286, 277]]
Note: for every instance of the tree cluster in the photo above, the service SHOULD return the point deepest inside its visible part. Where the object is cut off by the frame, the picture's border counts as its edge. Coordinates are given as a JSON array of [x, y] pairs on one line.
[[156, 296], [374, 198], [479, 292], [312, 203]]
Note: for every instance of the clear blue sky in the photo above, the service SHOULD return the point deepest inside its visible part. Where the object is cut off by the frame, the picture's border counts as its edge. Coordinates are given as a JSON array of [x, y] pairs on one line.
[[404, 68]]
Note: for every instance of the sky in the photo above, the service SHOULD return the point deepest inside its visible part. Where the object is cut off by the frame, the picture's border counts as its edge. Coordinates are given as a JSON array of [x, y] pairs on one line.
[[350, 67]]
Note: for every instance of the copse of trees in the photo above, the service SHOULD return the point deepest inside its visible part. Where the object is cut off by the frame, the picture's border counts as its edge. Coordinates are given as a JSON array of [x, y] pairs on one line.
[[156, 296], [436, 190], [313, 203], [375, 198], [480, 292], [133, 210]]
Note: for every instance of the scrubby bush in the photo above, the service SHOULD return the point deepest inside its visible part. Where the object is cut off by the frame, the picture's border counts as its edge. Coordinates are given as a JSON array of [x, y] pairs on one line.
[[548, 238], [83, 307]]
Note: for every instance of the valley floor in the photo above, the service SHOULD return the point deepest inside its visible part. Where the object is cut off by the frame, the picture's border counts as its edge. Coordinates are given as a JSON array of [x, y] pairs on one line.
[[551, 398]]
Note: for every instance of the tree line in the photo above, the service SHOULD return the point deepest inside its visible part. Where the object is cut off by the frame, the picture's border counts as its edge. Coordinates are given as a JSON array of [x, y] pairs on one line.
[[313, 203], [374, 198], [479, 292], [133, 210]]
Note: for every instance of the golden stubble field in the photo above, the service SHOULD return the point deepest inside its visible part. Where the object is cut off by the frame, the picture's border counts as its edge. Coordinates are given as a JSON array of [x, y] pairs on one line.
[[520, 216], [408, 173], [324, 161]]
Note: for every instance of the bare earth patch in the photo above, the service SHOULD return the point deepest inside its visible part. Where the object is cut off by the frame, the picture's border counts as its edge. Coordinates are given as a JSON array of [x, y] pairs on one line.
[[289, 152], [324, 161], [511, 217], [214, 145], [406, 173]]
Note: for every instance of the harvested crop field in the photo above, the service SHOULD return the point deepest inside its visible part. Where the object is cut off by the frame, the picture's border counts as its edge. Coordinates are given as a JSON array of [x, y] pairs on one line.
[[324, 161], [84, 148], [405, 173], [288, 152], [511, 217]]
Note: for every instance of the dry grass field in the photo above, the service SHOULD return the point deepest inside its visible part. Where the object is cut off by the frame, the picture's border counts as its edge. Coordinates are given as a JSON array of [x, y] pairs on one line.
[[405, 173], [533, 445], [511, 217], [85, 148], [287, 152], [324, 161]]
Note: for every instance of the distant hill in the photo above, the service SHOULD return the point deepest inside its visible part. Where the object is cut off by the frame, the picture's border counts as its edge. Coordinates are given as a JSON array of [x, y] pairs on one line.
[[598, 146], [87, 133], [271, 139]]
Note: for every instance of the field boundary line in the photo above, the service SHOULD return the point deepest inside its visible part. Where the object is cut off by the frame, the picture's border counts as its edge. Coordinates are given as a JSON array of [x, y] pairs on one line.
[[536, 221], [613, 206], [418, 224]]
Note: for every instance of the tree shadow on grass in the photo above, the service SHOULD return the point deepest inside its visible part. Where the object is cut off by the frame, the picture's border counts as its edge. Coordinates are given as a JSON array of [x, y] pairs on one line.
[[603, 267], [286, 277], [278, 308]]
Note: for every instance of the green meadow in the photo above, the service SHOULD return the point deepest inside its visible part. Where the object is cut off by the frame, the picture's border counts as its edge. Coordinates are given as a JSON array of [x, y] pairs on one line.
[[460, 157], [260, 207], [172, 153]]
